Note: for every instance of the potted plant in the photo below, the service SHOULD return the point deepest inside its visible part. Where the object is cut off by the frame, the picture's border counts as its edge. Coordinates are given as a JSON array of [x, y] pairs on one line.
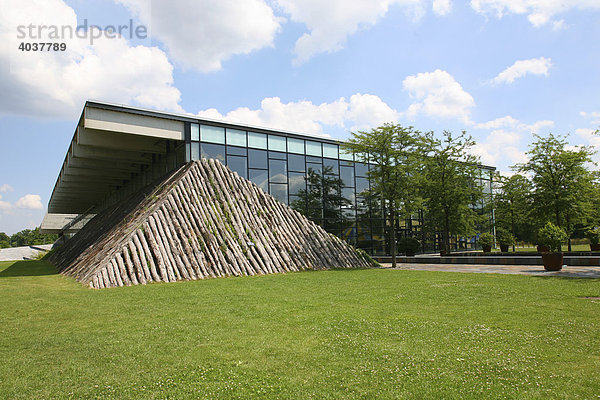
[[408, 246], [505, 239], [486, 240], [593, 234], [552, 236]]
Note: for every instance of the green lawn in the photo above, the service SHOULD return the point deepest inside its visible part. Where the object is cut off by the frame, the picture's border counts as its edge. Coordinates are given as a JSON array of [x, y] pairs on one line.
[[368, 334]]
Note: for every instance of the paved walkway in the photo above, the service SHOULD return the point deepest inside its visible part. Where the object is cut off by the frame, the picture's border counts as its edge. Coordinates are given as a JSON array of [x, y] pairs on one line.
[[23, 253], [567, 271]]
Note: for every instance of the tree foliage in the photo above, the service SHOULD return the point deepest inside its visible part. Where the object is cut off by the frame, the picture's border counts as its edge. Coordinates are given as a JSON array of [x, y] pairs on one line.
[[26, 237], [512, 201]]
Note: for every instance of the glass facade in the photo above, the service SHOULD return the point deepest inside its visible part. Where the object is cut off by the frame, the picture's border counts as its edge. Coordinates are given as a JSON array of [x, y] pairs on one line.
[[313, 176]]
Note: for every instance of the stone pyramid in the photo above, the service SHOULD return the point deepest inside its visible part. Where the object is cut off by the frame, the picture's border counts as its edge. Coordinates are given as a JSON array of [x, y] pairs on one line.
[[201, 221]]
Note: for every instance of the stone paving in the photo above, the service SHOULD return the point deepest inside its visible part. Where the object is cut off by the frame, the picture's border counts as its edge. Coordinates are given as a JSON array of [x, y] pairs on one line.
[[23, 253], [567, 271]]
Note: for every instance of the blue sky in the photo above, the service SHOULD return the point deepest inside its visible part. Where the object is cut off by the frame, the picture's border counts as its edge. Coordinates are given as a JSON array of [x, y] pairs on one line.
[[500, 69]]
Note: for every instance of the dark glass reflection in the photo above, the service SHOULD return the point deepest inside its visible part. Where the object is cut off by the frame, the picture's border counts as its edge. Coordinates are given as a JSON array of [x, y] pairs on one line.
[[296, 163], [278, 171], [236, 151], [279, 191], [213, 151], [260, 177], [277, 155], [238, 164], [362, 185], [347, 176], [297, 182], [332, 164], [361, 169], [312, 159], [315, 168], [257, 159]]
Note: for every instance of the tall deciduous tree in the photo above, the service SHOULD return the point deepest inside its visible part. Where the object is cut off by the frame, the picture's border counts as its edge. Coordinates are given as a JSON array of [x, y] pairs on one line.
[[512, 201], [562, 185], [449, 187], [394, 152]]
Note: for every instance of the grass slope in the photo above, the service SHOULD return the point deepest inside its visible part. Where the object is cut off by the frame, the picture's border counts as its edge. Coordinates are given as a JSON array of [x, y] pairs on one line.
[[323, 335]]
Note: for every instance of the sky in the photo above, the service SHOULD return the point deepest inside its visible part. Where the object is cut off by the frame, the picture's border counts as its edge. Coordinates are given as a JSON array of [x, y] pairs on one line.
[[503, 70]]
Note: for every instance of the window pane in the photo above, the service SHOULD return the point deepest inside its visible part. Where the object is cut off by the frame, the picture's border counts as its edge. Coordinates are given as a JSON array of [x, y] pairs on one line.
[[361, 169], [279, 191], [317, 160], [298, 204], [259, 177], [295, 145], [315, 168], [344, 155], [347, 175], [330, 166], [348, 194], [313, 148], [277, 143], [195, 151], [236, 137], [277, 155], [257, 140], [257, 159], [237, 151], [278, 171], [297, 182], [296, 163], [238, 164], [213, 151], [212, 134], [362, 184], [195, 132], [330, 150]]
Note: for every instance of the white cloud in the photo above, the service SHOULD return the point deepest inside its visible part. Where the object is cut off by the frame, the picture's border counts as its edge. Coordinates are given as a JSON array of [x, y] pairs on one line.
[[331, 22], [363, 111], [592, 138], [534, 66], [30, 202], [594, 116], [509, 122], [201, 34], [442, 7], [539, 12], [438, 94], [6, 188], [58, 83]]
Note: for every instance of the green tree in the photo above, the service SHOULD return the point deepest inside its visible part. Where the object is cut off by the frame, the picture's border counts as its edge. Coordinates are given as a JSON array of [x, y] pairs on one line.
[[512, 201], [562, 185], [31, 237], [394, 152], [449, 187], [4, 240]]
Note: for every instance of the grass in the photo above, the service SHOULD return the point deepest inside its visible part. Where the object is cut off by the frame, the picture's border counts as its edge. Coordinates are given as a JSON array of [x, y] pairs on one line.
[[322, 335]]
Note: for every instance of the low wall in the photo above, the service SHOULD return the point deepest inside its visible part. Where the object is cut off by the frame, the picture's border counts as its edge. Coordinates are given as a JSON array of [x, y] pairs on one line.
[[512, 259]]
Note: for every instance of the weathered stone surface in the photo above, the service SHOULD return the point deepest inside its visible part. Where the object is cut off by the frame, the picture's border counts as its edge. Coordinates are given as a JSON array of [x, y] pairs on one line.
[[201, 221]]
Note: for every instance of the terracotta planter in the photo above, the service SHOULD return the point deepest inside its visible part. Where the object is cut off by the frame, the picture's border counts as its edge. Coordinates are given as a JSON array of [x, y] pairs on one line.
[[487, 249], [595, 247], [542, 249], [504, 248], [552, 261]]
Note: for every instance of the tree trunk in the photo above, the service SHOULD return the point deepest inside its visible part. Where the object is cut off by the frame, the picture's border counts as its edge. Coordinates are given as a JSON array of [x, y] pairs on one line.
[[446, 236], [393, 235]]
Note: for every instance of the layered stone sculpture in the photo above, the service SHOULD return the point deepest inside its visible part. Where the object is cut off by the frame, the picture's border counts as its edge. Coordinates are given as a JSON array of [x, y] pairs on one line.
[[201, 221]]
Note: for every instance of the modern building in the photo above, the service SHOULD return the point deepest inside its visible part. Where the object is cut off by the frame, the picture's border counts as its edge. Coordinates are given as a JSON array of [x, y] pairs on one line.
[[116, 150]]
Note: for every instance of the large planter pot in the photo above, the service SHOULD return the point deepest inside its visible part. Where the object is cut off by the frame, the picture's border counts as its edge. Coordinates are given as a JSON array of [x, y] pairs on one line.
[[552, 261], [409, 254], [595, 247], [487, 249], [542, 249], [504, 248]]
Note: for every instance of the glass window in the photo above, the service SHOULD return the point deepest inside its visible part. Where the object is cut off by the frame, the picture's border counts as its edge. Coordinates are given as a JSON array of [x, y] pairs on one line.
[[361, 169], [236, 137], [330, 150], [330, 166], [277, 155], [237, 151], [348, 194], [344, 155], [278, 171], [313, 148], [297, 182], [318, 160], [257, 140], [216, 151], [347, 175], [362, 184], [361, 157], [259, 177], [277, 143], [257, 159], [298, 203], [295, 146], [212, 134], [316, 168], [238, 164], [195, 151], [279, 191], [296, 163], [195, 132]]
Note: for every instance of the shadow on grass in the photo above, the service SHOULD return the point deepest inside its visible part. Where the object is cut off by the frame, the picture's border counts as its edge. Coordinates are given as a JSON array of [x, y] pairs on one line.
[[29, 268]]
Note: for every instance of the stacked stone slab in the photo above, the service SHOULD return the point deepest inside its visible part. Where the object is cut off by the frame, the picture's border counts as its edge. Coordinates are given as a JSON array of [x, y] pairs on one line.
[[201, 221]]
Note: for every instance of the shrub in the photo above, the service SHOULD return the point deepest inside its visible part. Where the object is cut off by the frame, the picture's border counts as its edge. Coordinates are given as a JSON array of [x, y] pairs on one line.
[[486, 239], [593, 234], [504, 237], [408, 245], [551, 236]]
